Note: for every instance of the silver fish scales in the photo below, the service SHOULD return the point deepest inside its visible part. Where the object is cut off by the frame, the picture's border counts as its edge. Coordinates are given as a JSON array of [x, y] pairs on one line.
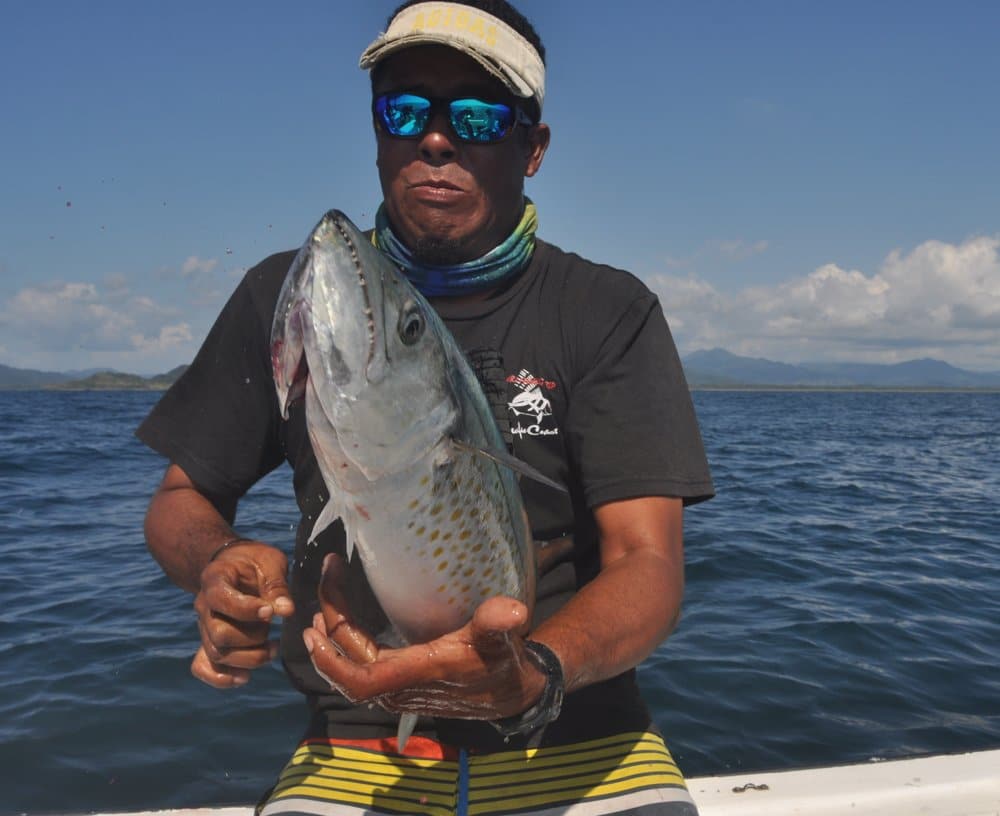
[[408, 448]]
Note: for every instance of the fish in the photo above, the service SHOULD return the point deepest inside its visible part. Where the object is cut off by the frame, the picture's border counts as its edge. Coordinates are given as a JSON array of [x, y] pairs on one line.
[[409, 450]]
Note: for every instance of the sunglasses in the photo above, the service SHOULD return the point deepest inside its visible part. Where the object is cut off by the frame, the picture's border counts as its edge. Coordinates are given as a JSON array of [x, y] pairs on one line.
[[406, 116]]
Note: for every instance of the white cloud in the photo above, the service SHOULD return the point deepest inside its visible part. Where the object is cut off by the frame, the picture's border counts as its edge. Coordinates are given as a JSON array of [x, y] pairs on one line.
[[194, 266], [724, 250], [68, 316], [738, 250], [940, 300], [143, 324], [169, 338]]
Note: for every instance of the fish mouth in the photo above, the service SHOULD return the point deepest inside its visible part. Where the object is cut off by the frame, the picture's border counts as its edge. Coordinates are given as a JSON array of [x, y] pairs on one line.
[[338, 222]]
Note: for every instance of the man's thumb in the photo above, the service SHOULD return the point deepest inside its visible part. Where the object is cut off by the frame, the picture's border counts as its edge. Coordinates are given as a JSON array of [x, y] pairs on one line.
[[498, 617], [274, 591]]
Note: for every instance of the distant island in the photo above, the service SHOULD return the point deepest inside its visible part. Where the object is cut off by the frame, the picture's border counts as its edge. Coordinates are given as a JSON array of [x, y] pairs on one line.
[[22, 379], [706, 369], [117, 381]]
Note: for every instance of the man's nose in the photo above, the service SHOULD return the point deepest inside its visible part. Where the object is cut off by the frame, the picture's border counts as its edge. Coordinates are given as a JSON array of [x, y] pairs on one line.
[[438, 143]]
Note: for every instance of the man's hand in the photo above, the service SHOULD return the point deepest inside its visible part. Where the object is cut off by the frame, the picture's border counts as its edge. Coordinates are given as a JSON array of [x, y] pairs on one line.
[[478, 672], [242, 590]]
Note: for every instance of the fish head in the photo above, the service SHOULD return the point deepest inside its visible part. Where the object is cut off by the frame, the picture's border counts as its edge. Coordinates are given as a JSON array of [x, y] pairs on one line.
[[374, 349]]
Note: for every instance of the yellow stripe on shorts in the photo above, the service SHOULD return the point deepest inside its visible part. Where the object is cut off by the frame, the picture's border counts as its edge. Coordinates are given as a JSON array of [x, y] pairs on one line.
[[626, 772], [330, 778], [547, 778]]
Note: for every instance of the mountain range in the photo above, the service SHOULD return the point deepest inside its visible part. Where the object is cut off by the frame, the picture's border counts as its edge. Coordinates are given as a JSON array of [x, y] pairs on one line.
[[715, 368], [718, 368]]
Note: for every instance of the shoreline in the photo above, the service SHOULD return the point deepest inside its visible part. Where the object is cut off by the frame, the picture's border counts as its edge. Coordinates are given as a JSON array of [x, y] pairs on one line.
[[880, 389], [851, 389]]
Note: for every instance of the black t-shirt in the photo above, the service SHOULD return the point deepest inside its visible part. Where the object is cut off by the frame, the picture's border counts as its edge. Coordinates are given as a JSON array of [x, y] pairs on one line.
[[585, 379]]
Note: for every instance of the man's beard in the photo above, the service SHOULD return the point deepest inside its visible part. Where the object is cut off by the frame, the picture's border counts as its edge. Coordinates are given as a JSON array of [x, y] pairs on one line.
[[431, 251]]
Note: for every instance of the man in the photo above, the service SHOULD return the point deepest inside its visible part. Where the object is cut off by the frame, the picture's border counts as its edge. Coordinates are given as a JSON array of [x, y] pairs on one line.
[[579, 360]]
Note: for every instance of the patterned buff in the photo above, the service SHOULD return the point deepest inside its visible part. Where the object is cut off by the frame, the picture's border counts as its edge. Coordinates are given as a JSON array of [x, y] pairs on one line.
[[486, 272]]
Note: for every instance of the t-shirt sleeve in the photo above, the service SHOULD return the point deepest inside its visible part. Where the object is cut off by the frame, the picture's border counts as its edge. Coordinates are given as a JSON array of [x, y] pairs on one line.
[[631, 424], [220, 420]]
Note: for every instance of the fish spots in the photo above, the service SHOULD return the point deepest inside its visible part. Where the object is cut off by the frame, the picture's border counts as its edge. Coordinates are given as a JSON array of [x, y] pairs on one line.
[[438, 552], [413, 505], [442, 566], [464, 535], [421, 530], [436, 509], [434, 534]]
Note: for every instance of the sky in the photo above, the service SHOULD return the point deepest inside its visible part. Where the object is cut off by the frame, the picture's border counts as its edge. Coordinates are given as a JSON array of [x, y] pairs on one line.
[[801, 181]]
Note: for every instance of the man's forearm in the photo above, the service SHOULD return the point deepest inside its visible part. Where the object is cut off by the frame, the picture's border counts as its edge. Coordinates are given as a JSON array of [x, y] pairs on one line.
[[617, 619], [183, 528]]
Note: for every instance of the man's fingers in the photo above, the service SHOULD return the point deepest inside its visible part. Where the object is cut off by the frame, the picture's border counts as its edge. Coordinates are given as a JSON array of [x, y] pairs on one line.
[[227, 645], [220, 594], [275, 592], [248, 583], [216, 675], [392, 671], [227, 632], [351, 640], [342, 673]]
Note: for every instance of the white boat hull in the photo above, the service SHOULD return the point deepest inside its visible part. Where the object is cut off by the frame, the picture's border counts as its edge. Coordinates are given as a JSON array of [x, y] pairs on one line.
[[949, 785]]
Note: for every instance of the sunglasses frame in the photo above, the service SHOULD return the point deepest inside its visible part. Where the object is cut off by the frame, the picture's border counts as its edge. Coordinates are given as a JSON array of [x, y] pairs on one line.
[[438, 103]]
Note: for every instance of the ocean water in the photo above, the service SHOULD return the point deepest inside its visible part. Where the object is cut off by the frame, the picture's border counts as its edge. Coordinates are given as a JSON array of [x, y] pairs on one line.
[[843, 602]]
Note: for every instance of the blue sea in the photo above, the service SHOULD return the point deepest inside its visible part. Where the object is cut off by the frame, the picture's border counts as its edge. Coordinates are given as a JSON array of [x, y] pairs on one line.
[[843, 602]]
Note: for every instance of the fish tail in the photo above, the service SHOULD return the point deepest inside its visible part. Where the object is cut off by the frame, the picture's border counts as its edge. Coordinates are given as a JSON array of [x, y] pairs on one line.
[[406, 725]]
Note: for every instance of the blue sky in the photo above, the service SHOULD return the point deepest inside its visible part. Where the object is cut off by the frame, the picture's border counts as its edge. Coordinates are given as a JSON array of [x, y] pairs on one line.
[[796, 180]]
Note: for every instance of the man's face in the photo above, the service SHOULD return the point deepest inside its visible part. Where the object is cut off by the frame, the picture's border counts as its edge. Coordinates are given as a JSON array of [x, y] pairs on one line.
[[451, 201]]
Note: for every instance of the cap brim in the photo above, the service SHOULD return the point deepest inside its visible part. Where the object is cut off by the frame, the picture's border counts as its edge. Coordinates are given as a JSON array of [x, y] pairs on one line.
[[502, 51]]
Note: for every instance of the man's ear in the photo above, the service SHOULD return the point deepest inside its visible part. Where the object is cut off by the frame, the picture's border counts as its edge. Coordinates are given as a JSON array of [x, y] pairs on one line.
[[537, 143]]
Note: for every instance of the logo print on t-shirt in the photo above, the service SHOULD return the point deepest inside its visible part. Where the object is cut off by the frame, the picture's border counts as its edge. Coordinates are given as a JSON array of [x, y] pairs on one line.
[[531, 407]]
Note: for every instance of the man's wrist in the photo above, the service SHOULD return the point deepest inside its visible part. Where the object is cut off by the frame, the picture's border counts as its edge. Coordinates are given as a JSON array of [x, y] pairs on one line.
[[232, 542], [547, 707]]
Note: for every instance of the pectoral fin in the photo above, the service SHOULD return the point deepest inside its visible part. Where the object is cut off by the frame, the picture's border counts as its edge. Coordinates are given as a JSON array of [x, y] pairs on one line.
[[512, 462], [330, 513]]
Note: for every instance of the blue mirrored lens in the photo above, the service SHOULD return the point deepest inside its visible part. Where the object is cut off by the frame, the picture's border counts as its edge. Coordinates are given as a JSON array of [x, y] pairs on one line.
[[478, 121], [404, 114]]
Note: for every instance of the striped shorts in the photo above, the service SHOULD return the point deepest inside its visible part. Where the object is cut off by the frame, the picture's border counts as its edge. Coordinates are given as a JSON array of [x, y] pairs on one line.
[[630, 773]]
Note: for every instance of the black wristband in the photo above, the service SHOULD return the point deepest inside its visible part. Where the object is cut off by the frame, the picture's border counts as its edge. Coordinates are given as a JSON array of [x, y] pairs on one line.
[[549, 704], [226, 546]]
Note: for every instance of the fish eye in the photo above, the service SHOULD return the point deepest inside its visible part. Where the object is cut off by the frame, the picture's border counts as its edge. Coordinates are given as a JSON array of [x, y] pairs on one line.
[[411, 324]]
